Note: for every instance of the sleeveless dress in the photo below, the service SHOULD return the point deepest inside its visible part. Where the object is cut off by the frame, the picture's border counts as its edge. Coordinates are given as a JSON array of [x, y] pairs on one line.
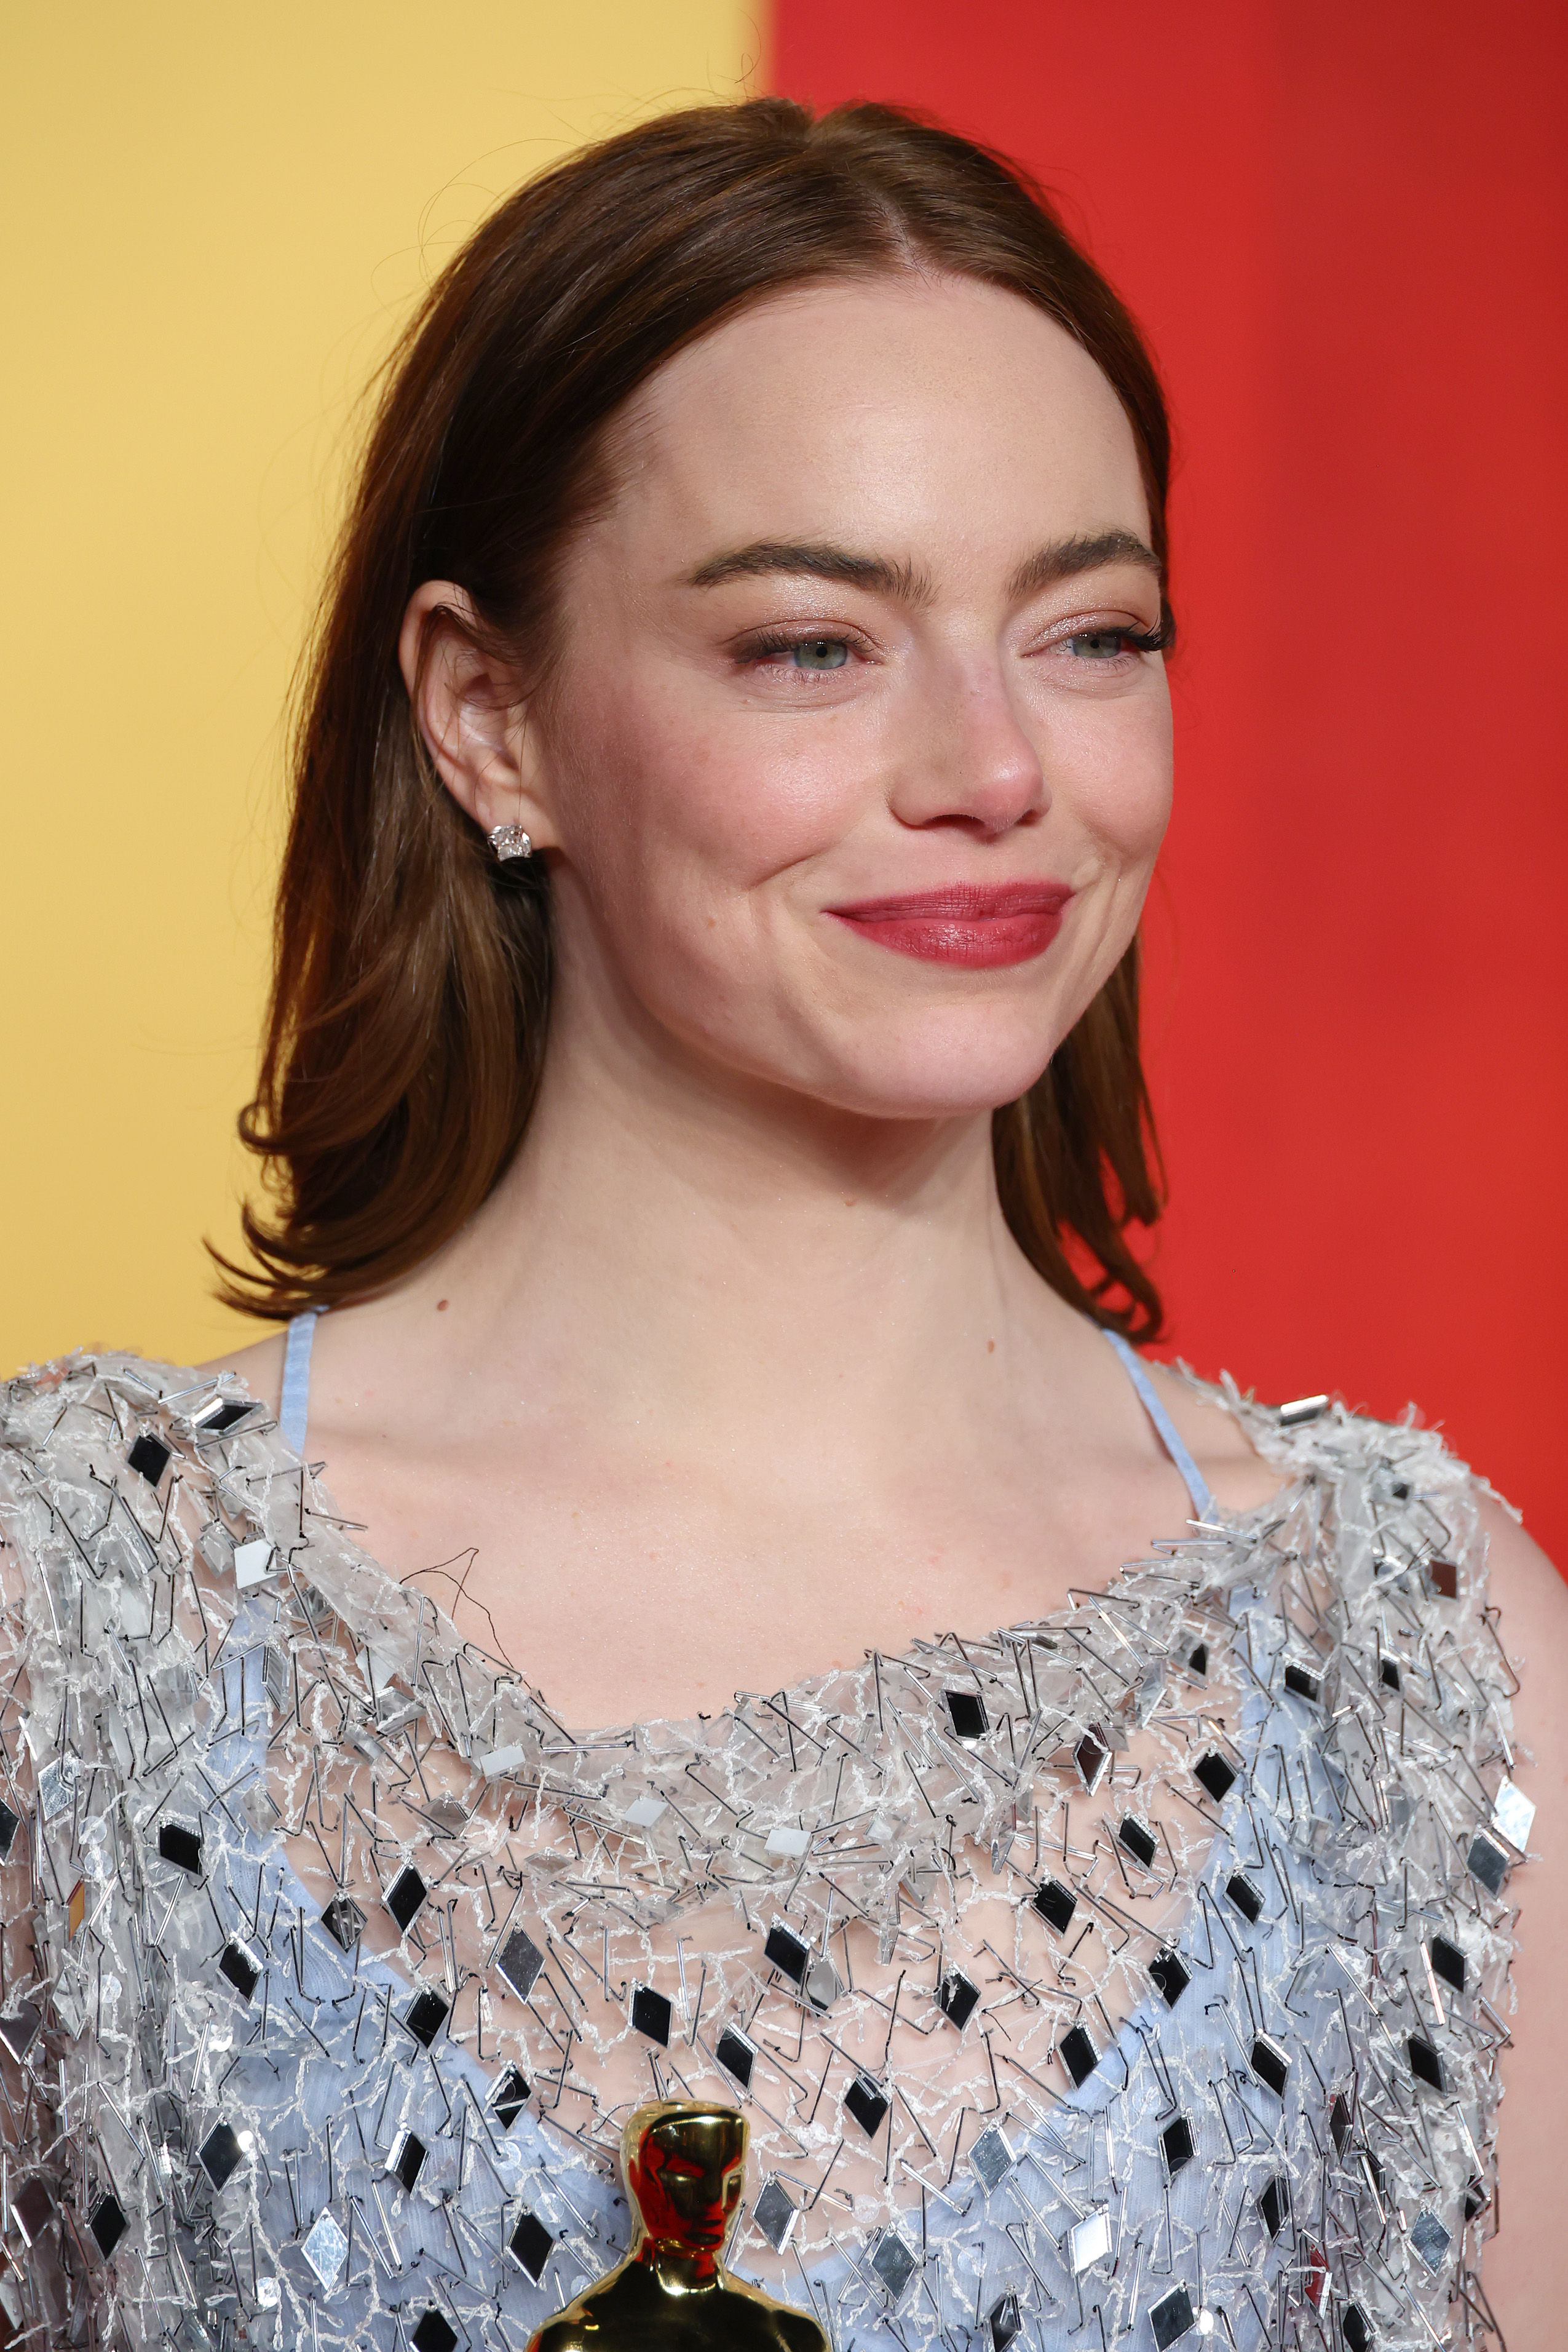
[[1254, 1796]]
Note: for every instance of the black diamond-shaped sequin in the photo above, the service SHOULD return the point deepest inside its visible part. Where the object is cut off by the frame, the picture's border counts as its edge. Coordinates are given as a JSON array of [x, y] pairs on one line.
[[866, 2104], [1056, 1904], [1476, 2200], [1246, 1897], [19, 2030], [1339, 2121], [518, 1961], [241, 1970], [1171, 1976], [408, 2160], [956, 1997], [776, 2213], [1443, 1578], [32, 2209], [434, 2332], [1136, 1839], [149, 1458], [509, 2096], [1170, 2318], [786, 1952], [1006, 2321], [1079, 2054], [1304, 1684], [1216, 1775], [1487, 1862], [1274, 2203], [1425, 2062], [106, 2220], [1389, 1674], [1270, 2064], [222, 2154], [405, 1896], [968, 1709], [425, 2016], [176, 1843], [1177, 2145], [529, 2245], [737, 2055], [1353, 2327], [1198, 1663], [652, 2014], [1092, 1756], [9, 1825], [893, 2263], [222, 1419], [1449, 1962], [344, 1921]]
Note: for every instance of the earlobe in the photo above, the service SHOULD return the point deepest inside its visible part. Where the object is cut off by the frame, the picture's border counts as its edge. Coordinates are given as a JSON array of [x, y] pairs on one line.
[[465, 707]]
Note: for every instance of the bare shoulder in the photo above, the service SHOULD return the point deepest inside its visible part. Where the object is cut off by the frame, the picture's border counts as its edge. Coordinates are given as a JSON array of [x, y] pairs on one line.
[[259, 1366], [1531, 1594], [1237, 1473], [1525, 2272]]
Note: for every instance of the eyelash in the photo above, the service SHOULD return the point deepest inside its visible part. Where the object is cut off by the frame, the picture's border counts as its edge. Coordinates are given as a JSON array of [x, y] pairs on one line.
[[784, 640], [771, 643], [1143, 641]]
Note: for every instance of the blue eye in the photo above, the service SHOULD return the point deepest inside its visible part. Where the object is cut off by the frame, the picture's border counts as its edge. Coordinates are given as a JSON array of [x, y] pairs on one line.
[[1100, 645], [820, 653]]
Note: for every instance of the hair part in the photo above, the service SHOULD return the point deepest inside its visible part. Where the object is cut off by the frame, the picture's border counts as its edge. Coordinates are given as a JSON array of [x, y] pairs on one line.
[[409, 1012]]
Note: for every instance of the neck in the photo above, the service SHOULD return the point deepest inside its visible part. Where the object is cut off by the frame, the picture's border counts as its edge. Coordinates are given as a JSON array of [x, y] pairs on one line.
[[686, 1247]]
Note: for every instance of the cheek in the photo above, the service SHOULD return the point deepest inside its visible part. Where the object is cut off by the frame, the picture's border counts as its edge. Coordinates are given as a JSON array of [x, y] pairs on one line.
[[684, 807], [1111, 763]]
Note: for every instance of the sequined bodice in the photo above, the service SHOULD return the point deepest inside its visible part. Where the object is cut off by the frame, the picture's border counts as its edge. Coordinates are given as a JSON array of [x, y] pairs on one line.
[[1025, 2052]]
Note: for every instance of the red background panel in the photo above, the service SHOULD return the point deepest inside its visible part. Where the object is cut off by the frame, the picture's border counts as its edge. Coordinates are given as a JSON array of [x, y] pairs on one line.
[[1343, 229]]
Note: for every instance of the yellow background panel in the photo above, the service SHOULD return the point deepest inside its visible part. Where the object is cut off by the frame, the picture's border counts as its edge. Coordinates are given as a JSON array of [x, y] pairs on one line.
[[217, 220]]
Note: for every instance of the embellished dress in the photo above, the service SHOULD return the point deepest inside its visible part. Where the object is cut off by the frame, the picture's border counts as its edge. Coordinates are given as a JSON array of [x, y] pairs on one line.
[[1134, 1975]]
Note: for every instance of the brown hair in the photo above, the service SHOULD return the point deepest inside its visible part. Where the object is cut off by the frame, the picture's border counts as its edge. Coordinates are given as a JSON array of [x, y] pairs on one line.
[[412, 979]]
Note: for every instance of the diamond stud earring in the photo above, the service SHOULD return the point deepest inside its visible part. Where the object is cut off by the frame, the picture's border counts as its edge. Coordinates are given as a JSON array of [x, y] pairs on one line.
[[511, 840]]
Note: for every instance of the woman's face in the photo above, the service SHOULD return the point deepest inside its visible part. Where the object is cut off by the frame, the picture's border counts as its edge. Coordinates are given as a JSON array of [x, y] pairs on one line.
[[854, 771]]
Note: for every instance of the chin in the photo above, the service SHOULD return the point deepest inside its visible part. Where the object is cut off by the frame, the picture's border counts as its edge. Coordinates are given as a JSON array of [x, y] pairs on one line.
[[955, 1070]]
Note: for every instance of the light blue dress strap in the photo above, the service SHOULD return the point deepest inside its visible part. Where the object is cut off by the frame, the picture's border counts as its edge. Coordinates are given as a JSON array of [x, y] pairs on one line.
[[294, 1407], [1197, 1486]]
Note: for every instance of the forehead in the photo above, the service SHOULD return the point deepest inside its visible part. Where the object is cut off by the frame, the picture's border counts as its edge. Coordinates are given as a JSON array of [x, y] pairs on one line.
[[913, 406]]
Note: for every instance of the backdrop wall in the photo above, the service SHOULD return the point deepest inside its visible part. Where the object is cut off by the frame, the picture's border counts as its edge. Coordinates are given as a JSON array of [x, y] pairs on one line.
[[1346, 230]]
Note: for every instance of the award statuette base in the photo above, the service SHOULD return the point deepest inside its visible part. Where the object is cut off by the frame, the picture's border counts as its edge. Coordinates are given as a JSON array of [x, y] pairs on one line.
[[685, 2163]]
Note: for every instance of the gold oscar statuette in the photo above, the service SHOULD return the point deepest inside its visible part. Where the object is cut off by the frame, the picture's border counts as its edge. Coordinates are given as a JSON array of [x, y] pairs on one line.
[[685, 2162]]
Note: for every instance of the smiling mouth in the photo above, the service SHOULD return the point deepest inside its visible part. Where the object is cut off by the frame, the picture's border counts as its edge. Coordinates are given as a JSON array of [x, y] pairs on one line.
[[966, 923]]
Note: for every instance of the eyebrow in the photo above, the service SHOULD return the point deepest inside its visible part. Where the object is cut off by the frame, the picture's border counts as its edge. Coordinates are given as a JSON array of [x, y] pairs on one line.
[[814, 561], [1064, 558], [1060, 559]]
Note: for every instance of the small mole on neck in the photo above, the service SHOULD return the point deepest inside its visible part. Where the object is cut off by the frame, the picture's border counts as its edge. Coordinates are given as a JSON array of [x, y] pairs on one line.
[[441, 1305]]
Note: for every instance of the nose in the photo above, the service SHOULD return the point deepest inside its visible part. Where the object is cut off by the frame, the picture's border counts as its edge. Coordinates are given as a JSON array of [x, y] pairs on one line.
[[969, 761]]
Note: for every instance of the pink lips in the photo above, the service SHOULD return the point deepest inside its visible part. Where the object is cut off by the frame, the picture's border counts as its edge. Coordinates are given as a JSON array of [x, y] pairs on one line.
[[966, 923]]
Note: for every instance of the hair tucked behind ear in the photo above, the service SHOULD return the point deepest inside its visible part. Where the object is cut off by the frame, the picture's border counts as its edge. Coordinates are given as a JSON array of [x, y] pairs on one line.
[[410, 992]]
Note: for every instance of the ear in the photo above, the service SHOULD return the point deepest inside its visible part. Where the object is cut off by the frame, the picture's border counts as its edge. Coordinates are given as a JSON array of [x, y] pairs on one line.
[[468, 710]]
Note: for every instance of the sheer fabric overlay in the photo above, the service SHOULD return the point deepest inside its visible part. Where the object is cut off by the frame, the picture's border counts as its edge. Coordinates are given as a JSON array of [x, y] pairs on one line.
[[1133, 1973]]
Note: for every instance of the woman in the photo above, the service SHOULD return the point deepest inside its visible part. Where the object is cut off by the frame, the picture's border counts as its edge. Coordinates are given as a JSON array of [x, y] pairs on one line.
[[701, 1082]]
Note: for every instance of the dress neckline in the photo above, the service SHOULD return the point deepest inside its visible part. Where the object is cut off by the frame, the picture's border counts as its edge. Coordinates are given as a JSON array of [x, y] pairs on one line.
[[1225, 1528]]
